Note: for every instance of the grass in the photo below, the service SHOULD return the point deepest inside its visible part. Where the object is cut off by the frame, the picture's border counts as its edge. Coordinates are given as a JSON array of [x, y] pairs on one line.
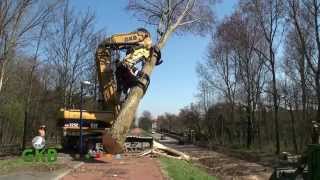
[[18, 164], [182, 170], [8, 164]]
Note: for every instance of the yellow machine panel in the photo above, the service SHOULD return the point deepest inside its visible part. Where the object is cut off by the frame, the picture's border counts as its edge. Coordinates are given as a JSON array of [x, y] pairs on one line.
[[86, 115]]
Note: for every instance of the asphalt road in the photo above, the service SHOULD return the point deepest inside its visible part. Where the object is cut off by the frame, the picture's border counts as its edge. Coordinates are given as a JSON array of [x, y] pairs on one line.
[[166, 140], [128, 167]]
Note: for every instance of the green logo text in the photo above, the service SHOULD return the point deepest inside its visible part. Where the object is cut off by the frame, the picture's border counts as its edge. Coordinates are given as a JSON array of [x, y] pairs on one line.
[[44, 155]]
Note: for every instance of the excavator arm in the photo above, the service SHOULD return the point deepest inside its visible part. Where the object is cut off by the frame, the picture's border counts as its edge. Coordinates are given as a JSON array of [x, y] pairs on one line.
[[141, 37], [117, 75]]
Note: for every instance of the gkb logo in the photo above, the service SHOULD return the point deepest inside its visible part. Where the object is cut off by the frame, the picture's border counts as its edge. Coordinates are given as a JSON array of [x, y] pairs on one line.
[[39, 153]]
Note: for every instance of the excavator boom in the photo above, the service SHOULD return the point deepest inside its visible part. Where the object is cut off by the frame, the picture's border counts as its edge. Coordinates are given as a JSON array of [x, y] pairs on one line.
[[138, 46]]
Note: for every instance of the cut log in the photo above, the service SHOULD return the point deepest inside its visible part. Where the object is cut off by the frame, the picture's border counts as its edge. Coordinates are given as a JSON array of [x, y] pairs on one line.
[[170, 151], [166, 155], [162, 150]]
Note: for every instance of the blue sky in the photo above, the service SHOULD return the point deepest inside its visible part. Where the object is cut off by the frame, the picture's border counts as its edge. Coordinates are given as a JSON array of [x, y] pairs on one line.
[[173, 83]]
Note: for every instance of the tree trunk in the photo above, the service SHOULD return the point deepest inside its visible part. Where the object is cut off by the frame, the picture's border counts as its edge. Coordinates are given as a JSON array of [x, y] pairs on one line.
[[303, 87], [275, 104], [2, 74], [249, 128], [259, 130], [25, 132], [222, 131], [113, 142], [317, 79], [293, 128]]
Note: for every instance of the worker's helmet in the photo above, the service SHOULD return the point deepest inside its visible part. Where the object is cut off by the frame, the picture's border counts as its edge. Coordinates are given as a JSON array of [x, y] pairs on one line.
[[43, 127]]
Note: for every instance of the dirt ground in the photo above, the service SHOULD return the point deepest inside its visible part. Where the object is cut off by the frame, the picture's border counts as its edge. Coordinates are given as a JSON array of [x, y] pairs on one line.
[[129, 167], [223, 166]]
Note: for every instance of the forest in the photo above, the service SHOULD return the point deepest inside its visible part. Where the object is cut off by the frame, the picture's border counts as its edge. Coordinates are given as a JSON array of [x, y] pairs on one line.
[[259, 83], [46, 50]]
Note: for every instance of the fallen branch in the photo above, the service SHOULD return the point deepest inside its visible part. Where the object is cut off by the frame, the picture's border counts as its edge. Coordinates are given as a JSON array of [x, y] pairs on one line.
[[162, 150], [168, 156]]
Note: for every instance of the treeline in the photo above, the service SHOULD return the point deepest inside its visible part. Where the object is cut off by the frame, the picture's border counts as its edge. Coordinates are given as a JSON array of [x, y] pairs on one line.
[[259, 86], [46, 50]]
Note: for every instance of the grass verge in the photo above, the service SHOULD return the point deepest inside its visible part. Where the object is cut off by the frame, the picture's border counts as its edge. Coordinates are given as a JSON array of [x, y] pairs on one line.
[[18, 164], [182, 170]]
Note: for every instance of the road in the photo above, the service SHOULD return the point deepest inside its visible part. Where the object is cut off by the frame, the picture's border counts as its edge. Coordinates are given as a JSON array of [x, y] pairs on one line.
[[128, 167], [166, 140]]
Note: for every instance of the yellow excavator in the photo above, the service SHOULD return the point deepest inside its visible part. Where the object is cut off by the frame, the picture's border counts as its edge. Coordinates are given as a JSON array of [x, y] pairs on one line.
[[119, 61]]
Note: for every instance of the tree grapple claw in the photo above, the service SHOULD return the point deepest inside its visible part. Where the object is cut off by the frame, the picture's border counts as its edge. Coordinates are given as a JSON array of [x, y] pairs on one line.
[[156, 52]]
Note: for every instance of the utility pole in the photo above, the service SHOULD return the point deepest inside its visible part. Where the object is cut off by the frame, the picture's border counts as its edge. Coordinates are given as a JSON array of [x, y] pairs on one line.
[[82, 84]]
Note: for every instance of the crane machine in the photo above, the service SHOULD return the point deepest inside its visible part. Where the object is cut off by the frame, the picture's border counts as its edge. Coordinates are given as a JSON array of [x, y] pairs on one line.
[[119, 62]]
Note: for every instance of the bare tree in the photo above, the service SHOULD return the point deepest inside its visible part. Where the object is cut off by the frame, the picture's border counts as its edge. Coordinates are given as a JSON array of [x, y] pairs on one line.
[[251, 67], [168, 17], [70, 45], [234, 66], [205, 98], [28, 96], [219, 72], [269, 18], [313, 12], [304, 16], [17, 20], [289, 93]]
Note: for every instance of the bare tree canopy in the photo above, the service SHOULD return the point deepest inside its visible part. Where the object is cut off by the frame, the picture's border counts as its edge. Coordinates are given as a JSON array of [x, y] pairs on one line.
[[17, 21], [70, 46], [179, 16]]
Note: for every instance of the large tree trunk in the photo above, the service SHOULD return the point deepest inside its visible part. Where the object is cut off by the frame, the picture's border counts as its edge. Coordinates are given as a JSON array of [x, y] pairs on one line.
[[275, 101], [113, 142]]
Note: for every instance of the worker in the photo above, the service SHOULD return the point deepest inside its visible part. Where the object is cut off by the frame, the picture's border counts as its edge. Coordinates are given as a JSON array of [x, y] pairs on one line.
[[42, 131]]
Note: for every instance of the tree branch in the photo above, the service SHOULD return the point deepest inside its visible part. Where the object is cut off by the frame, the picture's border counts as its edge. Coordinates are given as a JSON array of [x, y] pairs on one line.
[[189, 22]]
